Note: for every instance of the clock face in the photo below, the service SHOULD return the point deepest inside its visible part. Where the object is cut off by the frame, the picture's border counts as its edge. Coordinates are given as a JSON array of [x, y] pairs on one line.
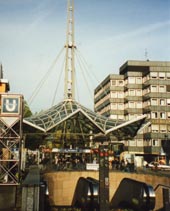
[[10, 105]]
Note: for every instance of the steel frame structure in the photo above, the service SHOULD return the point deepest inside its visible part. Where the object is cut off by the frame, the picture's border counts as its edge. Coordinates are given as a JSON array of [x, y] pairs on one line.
[[11, 117]]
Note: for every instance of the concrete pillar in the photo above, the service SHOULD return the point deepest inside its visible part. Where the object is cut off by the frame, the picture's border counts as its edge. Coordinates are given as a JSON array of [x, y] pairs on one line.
[[31, 190]]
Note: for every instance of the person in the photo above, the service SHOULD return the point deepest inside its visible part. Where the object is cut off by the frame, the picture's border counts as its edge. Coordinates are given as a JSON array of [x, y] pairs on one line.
[[127, 168], [56, 161], [113, 164], [122, 164], [162, 161], [94, 160], [145, 163]]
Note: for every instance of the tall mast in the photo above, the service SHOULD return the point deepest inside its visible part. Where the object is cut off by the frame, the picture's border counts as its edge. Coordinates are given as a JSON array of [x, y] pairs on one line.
[[69, 83]]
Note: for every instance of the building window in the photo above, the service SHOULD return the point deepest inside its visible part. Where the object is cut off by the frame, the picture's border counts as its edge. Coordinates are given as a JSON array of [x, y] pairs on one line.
[[161, 75], [121, 106], [140, 142], [163, 128], [155, 128], [168, 102], [120, 83], [168, 75], [113, 94], [138, 92], [154, 142], [153, 74], [131, 92], [154, 88], [162, 89], [120, 94], [113, 82], [131, 80], [168, 115], [162, 115], [154, 115], [131, 104], [139, 80], [154, 102], [114, 106], [162, 102], [139, 105]]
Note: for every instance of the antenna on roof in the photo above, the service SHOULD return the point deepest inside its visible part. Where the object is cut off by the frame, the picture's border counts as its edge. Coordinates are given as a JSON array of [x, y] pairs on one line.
[[146, 54], [1, 71]]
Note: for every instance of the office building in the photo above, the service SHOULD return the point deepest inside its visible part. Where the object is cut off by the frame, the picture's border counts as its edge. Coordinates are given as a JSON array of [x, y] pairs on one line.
[[141, 87]]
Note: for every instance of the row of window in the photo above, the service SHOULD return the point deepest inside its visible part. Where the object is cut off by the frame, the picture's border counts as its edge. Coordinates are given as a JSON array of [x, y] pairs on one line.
[[140, 92], [133, 104], [160, 115], [141, 143], [161, 102], [160, 88], [136, 92], [152, 88], [122, 106], [160, 128], [160, 75], [130, 80], [140, 80], [156, 102]]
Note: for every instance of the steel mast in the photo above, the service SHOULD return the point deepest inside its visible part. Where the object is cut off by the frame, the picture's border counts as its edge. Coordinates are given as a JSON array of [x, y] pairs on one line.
[[69, 82]]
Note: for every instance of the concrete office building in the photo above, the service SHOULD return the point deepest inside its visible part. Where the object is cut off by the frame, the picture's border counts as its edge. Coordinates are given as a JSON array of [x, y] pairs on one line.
[[141, 87]]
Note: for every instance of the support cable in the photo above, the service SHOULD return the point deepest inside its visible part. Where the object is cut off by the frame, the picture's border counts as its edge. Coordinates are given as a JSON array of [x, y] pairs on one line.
[[76, 86], [40, 84], [83, 74], [91, 73], [59, 80]]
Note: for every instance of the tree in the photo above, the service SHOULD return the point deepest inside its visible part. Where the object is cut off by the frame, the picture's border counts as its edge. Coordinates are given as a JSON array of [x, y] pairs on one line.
[[26, 110]]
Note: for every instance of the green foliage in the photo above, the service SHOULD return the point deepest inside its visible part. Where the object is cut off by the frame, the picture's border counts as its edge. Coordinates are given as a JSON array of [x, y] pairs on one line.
[[27, 111]]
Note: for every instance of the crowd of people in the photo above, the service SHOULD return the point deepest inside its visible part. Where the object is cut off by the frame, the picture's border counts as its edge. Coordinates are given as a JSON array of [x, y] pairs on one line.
[[123, 165], [59, 161], [78, 161]]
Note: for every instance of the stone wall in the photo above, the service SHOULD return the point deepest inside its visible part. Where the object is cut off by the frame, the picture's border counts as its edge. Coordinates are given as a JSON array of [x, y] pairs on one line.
[[62, 184]]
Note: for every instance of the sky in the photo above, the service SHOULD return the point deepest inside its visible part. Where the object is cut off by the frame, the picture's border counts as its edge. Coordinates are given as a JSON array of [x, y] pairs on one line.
[[107, 34]]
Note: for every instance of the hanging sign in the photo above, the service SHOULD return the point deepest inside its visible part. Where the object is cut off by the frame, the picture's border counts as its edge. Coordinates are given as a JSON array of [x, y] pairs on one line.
[[10, 104]]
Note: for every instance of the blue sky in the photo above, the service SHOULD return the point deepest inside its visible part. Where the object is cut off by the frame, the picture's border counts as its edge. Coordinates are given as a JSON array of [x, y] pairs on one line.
[[107, 33]]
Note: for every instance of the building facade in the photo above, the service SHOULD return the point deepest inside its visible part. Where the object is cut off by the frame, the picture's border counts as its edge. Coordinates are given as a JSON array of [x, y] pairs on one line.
[[141, 87]]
